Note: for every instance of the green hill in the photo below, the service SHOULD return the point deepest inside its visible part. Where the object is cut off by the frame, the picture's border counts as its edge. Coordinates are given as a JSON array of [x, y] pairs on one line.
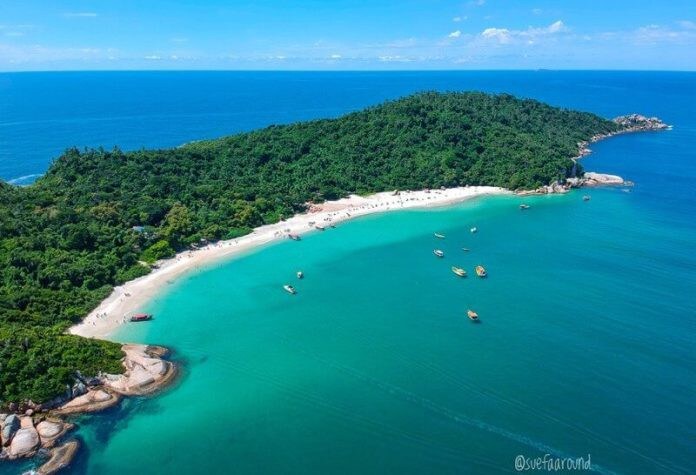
[[66, 240]]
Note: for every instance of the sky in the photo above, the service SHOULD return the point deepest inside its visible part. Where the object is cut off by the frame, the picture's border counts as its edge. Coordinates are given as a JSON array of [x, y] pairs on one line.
[[346, 34]]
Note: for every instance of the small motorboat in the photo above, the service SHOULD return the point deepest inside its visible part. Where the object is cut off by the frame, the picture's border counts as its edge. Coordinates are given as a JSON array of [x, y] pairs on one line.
[[466, 249], [586, 198], [439, 236], [439, 253], [481, 271], [319, 228], [295, 237], [290, 289], [474, 230], [459, 271], [300, 275], [473, 316], [141, 317], [524, 206]]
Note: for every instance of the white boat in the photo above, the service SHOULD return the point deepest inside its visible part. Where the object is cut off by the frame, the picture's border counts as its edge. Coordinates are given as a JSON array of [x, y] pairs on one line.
[[439, 253], [459, 271], [586, 198], [439, 236], [524, 206], [290, 289], [474, 229], [300, 275]]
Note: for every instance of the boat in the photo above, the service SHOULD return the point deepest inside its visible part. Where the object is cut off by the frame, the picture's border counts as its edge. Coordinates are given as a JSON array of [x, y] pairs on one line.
[[459, 271], [473, 316], [438, 253], [290, 289], [294, 237], [474, 229], [141, 317], [320, 228], [300, 275], [466, 249], [439, 236], [524, 206], [481, 271], [586, 198]]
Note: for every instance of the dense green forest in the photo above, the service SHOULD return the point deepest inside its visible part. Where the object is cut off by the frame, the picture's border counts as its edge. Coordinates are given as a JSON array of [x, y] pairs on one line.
[[66, 240]]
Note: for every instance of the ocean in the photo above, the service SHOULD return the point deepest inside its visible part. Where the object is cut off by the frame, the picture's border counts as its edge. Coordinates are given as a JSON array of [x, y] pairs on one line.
[[586, 343]]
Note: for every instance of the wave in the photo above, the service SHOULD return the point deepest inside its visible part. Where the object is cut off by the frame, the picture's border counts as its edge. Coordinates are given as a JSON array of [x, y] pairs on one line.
[[24, 180]]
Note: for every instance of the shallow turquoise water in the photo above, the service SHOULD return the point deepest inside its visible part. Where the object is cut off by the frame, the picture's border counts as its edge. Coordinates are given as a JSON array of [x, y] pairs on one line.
[[585, 346]]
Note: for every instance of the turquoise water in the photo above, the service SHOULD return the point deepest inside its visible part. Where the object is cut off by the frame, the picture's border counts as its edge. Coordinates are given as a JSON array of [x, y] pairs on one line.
[[586, 344], [585, 347]]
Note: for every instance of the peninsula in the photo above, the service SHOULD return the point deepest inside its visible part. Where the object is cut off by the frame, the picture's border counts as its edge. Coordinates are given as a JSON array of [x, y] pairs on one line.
[[100, 219]]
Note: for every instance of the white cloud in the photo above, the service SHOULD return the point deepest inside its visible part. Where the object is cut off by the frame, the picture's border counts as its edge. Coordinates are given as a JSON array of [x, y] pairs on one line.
[[536, 11], [530, 35], [556, 26], [13, 33], [455, 34], [457, 19], [335, 56], [396, 58], [687, 24], [502, 35], [153, 57], [80, 15], [477, 3]]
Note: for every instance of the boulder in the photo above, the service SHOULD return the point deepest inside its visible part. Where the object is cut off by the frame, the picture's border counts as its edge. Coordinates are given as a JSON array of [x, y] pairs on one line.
[[9, 427], [49, 429], [25, 422], [78, 389], [24, 443]]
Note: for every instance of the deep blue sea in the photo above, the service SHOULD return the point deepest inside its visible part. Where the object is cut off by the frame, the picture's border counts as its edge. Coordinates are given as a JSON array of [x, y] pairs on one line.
[[587, 341]]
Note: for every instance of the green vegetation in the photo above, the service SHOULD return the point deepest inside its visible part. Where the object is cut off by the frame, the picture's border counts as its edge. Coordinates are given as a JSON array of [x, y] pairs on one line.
[[69, 238]]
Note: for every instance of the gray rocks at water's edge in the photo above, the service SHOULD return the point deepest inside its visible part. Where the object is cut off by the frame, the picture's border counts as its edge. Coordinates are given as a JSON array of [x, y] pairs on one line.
[[38, 428], [10, 425]]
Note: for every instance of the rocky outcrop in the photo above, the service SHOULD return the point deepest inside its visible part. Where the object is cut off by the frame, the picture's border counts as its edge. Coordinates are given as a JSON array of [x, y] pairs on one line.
[[637, 122], [51, 431], [60, 458], [93, 400], [10, 426], [24, 434], [24, 443], [146, 371]]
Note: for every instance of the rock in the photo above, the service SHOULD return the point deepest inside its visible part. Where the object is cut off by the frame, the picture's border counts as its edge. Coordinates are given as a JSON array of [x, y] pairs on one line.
[[26, 422], [12, 407], [9, 427], [2, 418], [48, 429], [24, 443], [29, 412], [78, 389], [60, 458]]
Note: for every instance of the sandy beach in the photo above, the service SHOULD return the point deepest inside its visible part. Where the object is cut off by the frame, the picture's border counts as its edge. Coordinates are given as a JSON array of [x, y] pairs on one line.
[[131, 296]]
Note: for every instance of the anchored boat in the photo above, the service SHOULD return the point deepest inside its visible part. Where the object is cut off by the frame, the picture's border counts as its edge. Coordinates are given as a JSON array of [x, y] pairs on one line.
[[439, 236], [320, 228], [300, 275], [459, 271], [473, 316], [290, 289], [439, 253], [141, 317], [481, 271], [474, 229], [294, 237], [524, 206], [586, 198]]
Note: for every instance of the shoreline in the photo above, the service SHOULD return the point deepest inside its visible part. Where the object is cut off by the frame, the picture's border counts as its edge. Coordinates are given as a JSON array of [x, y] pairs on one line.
[[108, 316]]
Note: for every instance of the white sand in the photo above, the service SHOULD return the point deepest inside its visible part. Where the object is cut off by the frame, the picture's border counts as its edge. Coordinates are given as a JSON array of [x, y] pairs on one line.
[[131, 296]]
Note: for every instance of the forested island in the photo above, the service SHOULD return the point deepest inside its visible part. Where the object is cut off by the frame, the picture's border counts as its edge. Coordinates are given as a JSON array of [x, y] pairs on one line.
[[99, 218]]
